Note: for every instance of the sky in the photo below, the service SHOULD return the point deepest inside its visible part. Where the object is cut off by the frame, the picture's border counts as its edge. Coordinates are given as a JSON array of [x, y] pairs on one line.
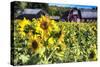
[[72, 5]]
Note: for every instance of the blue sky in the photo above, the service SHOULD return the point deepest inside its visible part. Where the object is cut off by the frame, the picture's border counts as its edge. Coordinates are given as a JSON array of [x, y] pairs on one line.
[[70, 5]]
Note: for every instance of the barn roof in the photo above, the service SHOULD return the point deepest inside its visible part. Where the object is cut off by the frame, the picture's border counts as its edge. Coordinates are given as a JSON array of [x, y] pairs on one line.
[[31, 11], [89, 13]]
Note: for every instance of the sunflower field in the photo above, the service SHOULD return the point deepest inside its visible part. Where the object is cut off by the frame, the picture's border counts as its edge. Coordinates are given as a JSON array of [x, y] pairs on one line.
[[45, 41]]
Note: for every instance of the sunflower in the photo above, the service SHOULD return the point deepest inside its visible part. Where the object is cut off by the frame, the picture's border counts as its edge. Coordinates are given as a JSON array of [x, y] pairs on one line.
[[51, 42], [45, 26], [93, 52], [61, 37], [35, 44], [22, 25], [61, 42]]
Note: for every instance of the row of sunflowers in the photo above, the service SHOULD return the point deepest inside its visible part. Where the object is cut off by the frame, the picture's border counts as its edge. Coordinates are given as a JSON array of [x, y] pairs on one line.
[[45, 41]]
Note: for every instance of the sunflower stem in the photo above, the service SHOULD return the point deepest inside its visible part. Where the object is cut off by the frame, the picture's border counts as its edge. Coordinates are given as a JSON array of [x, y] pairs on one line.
[[51, 54]]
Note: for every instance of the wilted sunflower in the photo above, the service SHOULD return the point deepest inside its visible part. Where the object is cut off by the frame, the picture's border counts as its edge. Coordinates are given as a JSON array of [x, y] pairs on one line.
[[45, 26]]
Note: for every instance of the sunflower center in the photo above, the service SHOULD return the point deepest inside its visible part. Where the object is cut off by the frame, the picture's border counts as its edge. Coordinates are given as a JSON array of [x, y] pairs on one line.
[[44, 25], [34, 44]]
